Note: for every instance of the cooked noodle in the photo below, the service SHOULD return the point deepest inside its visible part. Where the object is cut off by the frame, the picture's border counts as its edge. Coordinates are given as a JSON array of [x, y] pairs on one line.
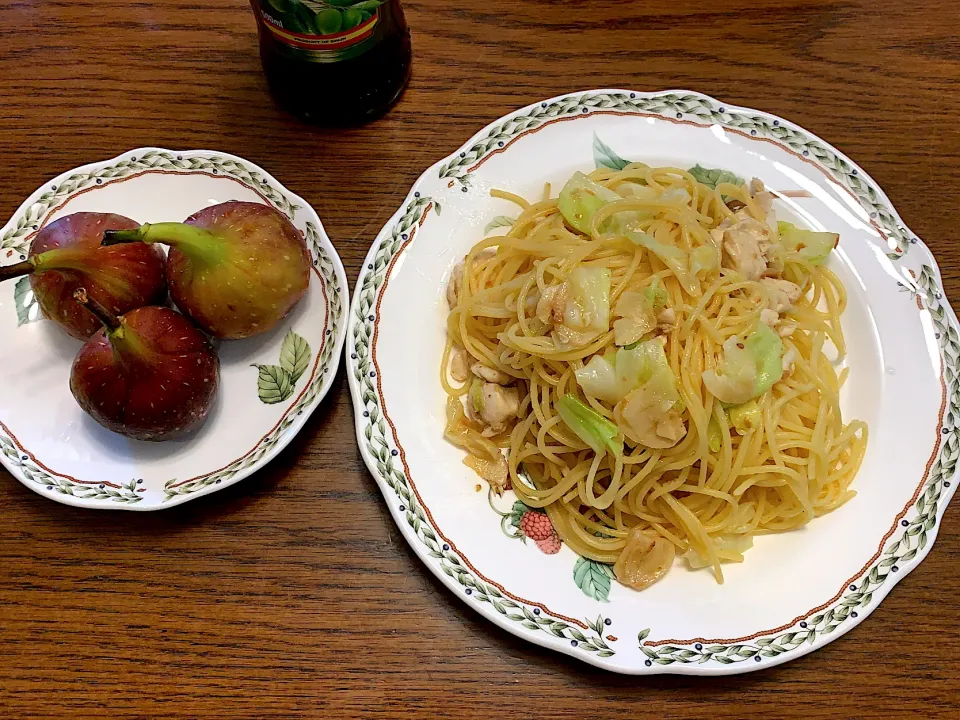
[[797, 460]]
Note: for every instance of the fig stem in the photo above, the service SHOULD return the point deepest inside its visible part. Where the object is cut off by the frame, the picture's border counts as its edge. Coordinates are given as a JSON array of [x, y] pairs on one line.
[[111, 321], [16, 270], [116, 237], [195, 242]]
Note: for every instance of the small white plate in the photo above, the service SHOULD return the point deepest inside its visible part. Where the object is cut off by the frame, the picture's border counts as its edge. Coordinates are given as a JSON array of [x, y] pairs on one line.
[[50, 445], [795, 591]]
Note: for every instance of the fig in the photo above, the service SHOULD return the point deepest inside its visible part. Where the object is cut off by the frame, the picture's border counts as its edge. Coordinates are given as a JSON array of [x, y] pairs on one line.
[[148, 374], [66, 254], [235, 269]]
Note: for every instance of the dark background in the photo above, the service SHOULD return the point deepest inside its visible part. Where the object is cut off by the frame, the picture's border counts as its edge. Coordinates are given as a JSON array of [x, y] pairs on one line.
[[292, 594]]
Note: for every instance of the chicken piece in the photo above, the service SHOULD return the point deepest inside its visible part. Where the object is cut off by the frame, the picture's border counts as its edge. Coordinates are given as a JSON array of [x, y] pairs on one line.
[[552, 304], [789, 361], [786, 328], [492, 405], [453, 285], [745, 245], [646, 418], [644, 559], [458, 364], [456, 277], [490, 375], [781, 294], [671, 428], [769, 317], [666, 319], [761, 196]]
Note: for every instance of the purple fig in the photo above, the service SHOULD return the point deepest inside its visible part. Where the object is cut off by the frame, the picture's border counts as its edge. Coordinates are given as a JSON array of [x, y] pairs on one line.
[[148, 374], [66, 254], [235, 269]]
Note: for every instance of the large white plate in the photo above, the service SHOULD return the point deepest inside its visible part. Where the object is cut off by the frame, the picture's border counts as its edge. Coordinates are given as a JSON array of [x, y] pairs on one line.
[[52, 447], [796, 591]]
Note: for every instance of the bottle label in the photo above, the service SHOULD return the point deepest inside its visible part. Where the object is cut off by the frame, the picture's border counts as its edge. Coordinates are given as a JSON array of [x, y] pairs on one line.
[[323, 31]]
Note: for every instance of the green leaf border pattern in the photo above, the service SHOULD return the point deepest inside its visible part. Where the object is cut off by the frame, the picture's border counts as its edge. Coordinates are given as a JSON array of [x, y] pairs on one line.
[[903, 547], [127, 493], [15, 238], [689, 107], [391, 472]]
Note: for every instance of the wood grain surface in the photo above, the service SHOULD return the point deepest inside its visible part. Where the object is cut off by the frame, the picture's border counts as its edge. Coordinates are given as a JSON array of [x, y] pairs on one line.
[[292, 594]]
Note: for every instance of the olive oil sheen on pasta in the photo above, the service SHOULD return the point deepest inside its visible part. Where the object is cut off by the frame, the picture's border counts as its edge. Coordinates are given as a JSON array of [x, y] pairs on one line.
[[334, 62]]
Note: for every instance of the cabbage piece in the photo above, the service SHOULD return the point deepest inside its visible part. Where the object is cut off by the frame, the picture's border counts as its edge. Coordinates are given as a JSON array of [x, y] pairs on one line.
[[813, 247], [635, 311], [766, 348], [612, 377], [649, 413], [598, 378], [639, 365], [588, 307], [714, 435], [656, 294], [750, 367], [476, 395], [705, 258], [735, 379], [588, 425], [633, 189], [729, 548], [644, 388], [679, 196], [746, 417], [580, 199], [564, 338], [673, 257]]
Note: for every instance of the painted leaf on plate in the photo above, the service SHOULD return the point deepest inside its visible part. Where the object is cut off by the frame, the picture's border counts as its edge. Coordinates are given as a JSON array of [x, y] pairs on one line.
[[605, 157], [294, 356], [499, 221], [711, 177], [517, 512], [28, 309], [273, 384], [593, 578]]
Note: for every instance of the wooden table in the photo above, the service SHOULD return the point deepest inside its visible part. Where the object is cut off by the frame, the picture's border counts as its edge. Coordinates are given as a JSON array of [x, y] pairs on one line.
[[292, 594]]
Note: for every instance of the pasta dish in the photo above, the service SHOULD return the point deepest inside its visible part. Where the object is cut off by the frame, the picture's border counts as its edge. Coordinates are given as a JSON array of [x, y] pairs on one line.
[[654, 361]]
